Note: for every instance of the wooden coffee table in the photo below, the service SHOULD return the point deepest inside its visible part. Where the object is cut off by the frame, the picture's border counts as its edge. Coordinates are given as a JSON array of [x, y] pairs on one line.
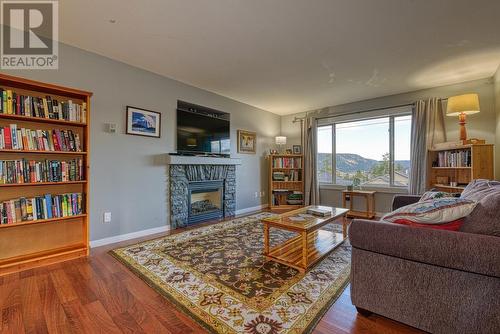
[[312, 243]]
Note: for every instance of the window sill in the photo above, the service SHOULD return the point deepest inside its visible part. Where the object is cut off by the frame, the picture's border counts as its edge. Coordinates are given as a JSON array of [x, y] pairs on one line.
[[386, 190]]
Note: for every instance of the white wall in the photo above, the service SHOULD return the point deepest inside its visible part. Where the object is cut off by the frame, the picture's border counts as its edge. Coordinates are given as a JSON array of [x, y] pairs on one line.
[[127, 173], [482, 125]]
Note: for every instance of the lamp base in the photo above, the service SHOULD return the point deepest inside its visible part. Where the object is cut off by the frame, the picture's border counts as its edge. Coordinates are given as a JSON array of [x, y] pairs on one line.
[[463, 131]]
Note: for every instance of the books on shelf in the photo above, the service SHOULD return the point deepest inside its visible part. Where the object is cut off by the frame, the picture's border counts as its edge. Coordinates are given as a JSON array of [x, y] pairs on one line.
[[12, 103], [460, 158], [31, 171], [287, 162], [47, 206], [14, 138], [293, 175]]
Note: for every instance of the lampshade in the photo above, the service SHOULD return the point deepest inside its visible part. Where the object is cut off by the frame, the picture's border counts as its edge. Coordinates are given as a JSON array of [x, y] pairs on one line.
[[467, 104], [280, 140]]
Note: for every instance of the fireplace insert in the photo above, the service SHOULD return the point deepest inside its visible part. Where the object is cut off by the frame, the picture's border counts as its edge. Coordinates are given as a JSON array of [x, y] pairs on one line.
[[205, 200]]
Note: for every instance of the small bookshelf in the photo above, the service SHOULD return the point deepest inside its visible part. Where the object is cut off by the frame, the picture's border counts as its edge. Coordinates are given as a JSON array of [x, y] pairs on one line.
[[44, 173], [451, 169], [286, 181]]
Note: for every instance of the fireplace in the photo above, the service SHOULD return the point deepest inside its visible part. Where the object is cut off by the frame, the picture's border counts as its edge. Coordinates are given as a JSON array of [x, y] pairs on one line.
[[205, 200], [201, 189]]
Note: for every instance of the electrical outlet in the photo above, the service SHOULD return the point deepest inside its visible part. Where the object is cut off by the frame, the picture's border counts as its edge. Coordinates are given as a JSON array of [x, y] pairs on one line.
[[262, 193], [107, 217]]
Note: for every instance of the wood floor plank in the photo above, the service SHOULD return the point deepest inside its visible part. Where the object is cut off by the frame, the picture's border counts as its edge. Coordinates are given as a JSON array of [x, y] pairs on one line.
[[63, 286], [127, 323], [12, 320], [101, 319], [34, 321], [51, 308]]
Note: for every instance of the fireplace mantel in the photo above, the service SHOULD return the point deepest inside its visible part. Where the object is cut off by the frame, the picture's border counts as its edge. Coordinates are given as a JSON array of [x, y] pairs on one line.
[[200, 160]]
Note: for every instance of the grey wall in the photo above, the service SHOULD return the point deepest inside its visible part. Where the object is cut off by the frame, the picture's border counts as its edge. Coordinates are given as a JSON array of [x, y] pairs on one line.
[[128, 177], [497, 107], [482, 125]]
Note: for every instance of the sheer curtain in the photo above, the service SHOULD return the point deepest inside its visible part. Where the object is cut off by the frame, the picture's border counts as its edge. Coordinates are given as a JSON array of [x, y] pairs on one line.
[[311, 193], [427, 129]]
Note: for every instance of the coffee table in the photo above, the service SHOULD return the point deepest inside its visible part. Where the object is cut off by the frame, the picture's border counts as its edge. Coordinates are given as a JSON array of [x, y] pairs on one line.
[[312, 243]]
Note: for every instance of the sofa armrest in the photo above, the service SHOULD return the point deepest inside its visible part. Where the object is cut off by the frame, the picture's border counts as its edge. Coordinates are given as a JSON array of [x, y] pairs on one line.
[[403, 200], [462, 251]]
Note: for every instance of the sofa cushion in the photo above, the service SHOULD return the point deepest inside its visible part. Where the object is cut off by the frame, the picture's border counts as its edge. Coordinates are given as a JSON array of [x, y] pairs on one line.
[[433, 211], [485, 218]]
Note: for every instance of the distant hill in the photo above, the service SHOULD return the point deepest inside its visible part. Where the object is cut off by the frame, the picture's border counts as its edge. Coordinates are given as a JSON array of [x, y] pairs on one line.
[[351, 163]]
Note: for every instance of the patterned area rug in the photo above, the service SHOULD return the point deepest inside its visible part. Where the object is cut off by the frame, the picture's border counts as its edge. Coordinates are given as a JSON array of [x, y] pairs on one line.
[[217, 275]]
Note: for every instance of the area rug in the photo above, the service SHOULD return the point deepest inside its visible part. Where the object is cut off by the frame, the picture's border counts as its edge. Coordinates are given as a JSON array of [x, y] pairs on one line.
[[217, 276]]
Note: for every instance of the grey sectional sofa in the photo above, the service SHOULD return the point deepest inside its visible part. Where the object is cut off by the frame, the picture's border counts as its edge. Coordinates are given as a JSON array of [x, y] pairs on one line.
[[435, 280]]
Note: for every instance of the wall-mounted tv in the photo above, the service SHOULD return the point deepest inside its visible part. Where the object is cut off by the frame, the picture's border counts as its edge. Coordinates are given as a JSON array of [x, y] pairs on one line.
[[202, 130]]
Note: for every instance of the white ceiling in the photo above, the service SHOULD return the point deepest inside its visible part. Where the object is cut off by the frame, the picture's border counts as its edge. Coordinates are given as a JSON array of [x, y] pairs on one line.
[[287, 56]]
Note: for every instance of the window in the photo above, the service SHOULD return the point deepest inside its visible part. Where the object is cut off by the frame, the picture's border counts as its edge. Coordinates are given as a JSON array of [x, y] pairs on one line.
[[366, 152]]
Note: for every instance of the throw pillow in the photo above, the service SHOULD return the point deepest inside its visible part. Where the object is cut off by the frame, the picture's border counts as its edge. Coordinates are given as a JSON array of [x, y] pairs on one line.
[[479, 189], [433, 211], [451, 226], [435, 194]]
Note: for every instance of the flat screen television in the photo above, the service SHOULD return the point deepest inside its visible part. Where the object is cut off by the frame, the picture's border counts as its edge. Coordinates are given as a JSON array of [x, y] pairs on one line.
[[202, 130]]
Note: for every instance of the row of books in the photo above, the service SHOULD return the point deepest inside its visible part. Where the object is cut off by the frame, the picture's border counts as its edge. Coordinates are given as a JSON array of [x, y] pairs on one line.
[[12, 138], [42, 107], [454, 158], [287, 162], [293, 175], [41, 207], [31, 171]]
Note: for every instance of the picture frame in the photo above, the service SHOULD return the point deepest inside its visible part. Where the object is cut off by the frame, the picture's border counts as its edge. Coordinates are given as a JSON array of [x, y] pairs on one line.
[[289, 151], [247, 142], [143, 122], [297, 149]]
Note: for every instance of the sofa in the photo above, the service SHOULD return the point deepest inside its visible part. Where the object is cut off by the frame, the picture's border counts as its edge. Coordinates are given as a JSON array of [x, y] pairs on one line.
[[435, 280]]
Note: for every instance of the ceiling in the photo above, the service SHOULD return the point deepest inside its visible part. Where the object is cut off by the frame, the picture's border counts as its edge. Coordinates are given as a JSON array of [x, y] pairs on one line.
[[288, 56]]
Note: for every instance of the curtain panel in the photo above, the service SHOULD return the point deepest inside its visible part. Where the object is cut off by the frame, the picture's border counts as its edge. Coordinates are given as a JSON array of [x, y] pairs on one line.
[[311, 193], [427, 129]]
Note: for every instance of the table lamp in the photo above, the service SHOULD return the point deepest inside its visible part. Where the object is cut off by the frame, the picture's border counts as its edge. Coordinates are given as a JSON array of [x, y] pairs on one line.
[[462, 105], [281, 142]]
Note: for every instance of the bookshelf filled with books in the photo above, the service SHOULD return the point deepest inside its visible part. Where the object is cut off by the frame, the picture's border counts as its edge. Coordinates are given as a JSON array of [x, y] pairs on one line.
[[44, 173], [451, 168], [286, 183]]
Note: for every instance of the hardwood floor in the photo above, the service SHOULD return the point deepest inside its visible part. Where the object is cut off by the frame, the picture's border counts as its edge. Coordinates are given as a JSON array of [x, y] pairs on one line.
[[100, 295]]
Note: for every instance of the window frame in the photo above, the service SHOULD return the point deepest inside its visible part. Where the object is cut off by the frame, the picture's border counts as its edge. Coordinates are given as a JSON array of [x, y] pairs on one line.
[[392, 115]]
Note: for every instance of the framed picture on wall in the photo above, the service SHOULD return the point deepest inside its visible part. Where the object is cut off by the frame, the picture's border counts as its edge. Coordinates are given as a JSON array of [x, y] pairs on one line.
[[297, 149], [142, 122], [247, 142]]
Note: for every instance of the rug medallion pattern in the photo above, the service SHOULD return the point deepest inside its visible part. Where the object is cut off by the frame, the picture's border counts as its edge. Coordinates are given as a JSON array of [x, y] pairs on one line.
[[217, 275]]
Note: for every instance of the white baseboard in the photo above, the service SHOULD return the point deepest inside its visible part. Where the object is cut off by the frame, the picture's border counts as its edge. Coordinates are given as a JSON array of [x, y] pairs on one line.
[[252, 209], [143, 233], [128, 236]]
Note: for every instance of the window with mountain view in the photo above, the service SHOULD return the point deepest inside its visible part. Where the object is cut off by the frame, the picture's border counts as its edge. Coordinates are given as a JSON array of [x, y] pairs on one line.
[[360, 152]]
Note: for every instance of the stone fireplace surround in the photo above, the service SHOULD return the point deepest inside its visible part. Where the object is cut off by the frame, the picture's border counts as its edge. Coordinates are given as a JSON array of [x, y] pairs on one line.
[[183, 170]]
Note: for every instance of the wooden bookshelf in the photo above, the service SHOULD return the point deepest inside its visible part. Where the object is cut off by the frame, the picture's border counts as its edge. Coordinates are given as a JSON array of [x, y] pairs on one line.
[[291, 166], [478, 164], [32, 243]]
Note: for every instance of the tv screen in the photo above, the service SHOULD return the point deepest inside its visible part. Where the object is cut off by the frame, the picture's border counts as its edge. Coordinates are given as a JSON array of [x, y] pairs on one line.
[[202, 131]]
